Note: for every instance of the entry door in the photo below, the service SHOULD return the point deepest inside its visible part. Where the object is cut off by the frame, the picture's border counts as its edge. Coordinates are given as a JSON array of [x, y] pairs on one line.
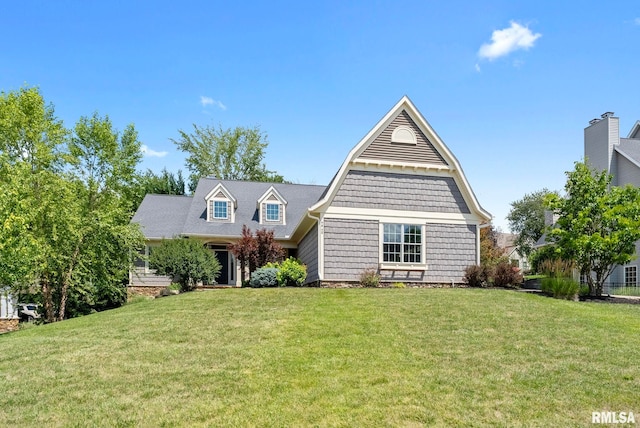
[[223, 258]]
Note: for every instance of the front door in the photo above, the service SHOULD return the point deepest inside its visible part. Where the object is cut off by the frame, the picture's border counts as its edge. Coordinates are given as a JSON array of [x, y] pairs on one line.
[[223, 258]]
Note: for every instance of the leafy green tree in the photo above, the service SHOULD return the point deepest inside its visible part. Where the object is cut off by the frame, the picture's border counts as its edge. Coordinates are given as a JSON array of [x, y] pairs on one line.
[[65, 206], [598, 224], [165, 183], [229, 154], [526, 219], [186, 260]]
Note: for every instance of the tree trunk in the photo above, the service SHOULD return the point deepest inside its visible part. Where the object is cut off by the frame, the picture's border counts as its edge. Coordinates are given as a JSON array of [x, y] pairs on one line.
[[66, 282], [47, 299]]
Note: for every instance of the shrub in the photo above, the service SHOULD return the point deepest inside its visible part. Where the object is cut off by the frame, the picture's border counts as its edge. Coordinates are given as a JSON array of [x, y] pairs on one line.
[[369, 278], [185, 259], [291, 273], [398, 285], [264, 277], [476, 275], [560, 288], [557, 268], [506, 275]]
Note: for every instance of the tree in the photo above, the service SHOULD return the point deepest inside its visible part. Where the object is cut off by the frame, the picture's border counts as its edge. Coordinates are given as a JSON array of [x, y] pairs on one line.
[[526, 219], [256, 251], [490, 253], [66, 206], [187, 260], [228, 154], [598, 224], [165, 183]]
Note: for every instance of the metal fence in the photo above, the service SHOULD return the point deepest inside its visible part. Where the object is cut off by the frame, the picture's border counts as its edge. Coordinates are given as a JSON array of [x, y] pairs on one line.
[[621, 289]]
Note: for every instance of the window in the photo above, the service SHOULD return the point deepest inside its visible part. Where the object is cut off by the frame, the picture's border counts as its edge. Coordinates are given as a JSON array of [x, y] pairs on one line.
[[219, 209], [630, 276], [402, 243], [273, 212]]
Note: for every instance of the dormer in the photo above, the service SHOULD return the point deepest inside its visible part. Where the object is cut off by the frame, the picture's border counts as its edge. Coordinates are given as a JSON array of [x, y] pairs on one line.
[[221, 205], [272, 207]]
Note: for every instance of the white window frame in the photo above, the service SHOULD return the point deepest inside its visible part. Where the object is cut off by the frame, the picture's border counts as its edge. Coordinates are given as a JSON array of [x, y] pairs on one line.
[[402, 265], [635, 274], [212, 209], [266, 211]]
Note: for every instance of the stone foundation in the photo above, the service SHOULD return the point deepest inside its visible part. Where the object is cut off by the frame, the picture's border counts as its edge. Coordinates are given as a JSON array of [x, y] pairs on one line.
[[7, 325], [356, 284], [146, 291]]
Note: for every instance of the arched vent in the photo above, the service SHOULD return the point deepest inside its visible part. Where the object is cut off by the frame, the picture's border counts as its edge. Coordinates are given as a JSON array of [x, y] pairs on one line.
[[403, 135]]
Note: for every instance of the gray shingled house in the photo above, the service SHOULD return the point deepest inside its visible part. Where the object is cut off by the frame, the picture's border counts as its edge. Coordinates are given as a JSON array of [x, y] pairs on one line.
[[400, 203], [605, 150]]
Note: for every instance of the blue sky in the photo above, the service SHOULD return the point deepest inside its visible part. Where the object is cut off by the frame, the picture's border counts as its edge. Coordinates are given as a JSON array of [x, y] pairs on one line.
[[508, 86]]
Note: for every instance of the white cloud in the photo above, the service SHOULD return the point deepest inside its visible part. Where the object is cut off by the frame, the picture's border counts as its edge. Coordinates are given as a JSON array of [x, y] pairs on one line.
[[505, 41], [208, 101], [478, 67], [152, 153]]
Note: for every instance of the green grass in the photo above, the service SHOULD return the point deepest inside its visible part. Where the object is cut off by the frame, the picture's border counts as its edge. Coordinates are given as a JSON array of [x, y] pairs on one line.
[[327, 357]]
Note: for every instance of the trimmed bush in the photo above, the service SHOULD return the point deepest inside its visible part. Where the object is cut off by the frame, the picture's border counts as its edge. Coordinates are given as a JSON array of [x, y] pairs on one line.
[[398, 285], [264, 277], [476, 275], [291, 272], [506, 275], [369, 278]]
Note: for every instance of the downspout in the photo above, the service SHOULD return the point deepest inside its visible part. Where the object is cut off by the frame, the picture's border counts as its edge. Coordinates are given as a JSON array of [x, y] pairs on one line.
[[320, 244]]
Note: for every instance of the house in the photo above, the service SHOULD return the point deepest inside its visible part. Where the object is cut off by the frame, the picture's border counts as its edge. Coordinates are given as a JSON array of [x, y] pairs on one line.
[[507, 241], [605, 150], [8, 311], [400, 203]]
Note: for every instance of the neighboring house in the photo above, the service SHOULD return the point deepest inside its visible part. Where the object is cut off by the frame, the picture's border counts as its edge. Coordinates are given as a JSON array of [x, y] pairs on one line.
[[506, 241], [400, 203], [8, 311], [620, 157]]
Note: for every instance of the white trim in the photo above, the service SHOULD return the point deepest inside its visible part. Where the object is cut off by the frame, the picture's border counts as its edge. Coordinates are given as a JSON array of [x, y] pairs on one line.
[[396, 216], [404, 135], [262, 200], [625, 275], [228, 198], [406, 105], [634, 129], [402, 265], [362, 164], [321, 248], [626, 156]]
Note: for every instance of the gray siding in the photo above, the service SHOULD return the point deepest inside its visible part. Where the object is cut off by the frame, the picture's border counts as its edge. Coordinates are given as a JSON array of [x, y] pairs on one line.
[[350, 246], [140, 278], [628, 173], [599, 140], [382, 147], [308, 253], [450, 249], [368, 189]]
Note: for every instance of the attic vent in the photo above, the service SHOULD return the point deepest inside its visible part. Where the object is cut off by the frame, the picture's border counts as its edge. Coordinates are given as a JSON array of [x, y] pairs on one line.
[[403, 135], [606, 114]]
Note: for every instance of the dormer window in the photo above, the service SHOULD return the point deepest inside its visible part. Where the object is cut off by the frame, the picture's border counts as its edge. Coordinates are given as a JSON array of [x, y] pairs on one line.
[[273, 212], [220, 205], [272, 207], [220, 209]]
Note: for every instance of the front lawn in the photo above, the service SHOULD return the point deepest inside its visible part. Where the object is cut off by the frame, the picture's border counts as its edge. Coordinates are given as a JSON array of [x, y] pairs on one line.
[[327, 357]]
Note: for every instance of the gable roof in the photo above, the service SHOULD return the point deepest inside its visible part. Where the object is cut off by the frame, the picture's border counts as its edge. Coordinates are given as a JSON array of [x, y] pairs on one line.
[[630, 149], [165, 216], [635, 131], [434, 155], [162, 216]]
